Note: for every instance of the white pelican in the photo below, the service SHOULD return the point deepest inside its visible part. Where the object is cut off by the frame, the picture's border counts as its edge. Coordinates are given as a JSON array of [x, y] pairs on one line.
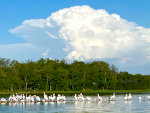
[[10, 98], [32, 98], [112, 98], [50, 98], [63, 98], [88, 99], [99, 97], [3, 100], [28, 98], [129, 96], [53, 99], [45, 98], [81, 97], [76, 98], [14, 98], [23, 97], [59, 98], [126, 97], [37, 99]]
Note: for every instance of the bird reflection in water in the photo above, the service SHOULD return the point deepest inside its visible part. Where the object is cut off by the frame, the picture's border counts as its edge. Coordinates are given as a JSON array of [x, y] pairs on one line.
[[61, 102], [52, 103], [45, 103], [88, 102], [79, 103], [128, 102], [112, 102], [99, 102]]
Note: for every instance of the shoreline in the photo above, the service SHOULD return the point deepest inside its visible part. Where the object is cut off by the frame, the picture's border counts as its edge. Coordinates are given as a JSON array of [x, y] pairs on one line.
[[73, 92]]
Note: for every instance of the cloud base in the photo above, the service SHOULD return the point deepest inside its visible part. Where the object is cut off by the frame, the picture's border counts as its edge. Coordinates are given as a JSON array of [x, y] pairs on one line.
[[83, 33]]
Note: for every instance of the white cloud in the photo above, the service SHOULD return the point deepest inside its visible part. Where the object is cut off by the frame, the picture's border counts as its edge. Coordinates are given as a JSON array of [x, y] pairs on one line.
[[88, 34], [45, 53]]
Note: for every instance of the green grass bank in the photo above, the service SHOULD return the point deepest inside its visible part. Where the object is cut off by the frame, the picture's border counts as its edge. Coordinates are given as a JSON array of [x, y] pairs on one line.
[[73, 92]]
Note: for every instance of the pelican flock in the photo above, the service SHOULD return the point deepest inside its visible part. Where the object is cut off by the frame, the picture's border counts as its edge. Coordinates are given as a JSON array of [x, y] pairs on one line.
[[128, 97], [61, 98], [33, 98]]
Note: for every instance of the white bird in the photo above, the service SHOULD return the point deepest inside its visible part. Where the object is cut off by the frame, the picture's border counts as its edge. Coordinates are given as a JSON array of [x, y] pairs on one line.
[[32, 98], [14, 98], [88, 99], [45, 98], [126, 97], [53, 97], [148, 97], [99, 97], [59, 98], [76, 98], [3, 100], [81, 97], [28, 98], [63, 98], [23, 97], [37, 99], [50, 98], [129, 96], [10, 98], [112, 98]]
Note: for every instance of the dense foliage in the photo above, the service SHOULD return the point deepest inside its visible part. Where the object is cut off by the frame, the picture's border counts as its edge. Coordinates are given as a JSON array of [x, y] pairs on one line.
[[52, 75]]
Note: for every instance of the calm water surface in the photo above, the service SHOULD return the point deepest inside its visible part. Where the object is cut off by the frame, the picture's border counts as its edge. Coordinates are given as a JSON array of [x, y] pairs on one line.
[[134, 106]]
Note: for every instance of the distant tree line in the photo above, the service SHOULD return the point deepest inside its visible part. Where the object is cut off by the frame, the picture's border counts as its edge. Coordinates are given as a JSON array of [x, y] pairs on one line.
[[54, 75]]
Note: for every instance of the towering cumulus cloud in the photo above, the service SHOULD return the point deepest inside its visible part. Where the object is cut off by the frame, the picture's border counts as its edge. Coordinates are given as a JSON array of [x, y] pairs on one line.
[[89, 34]]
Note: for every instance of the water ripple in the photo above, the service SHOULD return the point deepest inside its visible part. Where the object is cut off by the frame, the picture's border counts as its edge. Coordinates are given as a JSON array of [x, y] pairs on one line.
[[118, 106]]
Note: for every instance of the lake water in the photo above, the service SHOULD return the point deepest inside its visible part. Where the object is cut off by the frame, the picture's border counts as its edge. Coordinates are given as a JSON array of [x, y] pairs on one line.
[[134, 106]]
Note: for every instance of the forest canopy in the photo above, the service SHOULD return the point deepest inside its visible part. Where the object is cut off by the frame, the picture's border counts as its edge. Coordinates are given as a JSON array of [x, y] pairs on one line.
[[55, 75]]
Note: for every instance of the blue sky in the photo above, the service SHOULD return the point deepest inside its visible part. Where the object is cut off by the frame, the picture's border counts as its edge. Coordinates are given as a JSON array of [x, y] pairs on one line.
[[14, 45]]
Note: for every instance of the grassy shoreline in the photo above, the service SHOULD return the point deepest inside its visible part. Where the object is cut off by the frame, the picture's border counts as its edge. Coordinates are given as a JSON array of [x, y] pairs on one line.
[[73, 92]]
